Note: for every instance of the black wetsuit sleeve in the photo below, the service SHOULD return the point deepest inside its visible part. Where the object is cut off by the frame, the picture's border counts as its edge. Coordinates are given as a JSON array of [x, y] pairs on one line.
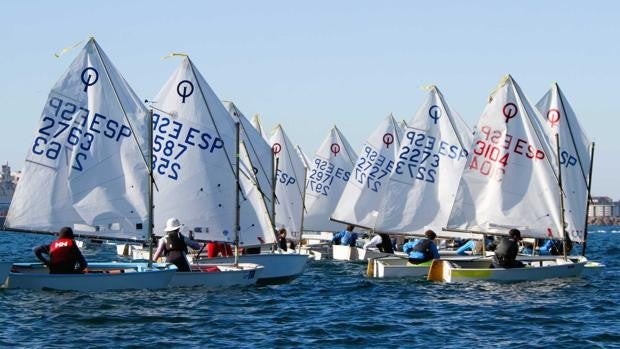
[[39, 251], [80, 258]]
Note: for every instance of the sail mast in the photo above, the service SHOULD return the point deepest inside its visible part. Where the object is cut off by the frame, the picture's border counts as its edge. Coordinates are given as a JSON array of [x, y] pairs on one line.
[[237, 207], [563, 223], [150, 200], [588, 199]]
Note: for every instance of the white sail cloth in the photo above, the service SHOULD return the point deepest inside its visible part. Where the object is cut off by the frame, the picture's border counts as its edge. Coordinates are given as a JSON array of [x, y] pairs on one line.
[[194, 157], [362, 194], [290, 173], [86, 167], [259, 152], [327, 175], [255, 227], [575, 159], [431, 158], [509, 181]]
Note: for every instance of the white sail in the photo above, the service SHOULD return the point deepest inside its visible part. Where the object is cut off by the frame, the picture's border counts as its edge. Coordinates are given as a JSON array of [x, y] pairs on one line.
[[327, 175], [193, 162], [259, 151], [258, 125], [558, 117], [86, 167], [255, 222], [361, 197], [290, 174], [423, 183], [509, 180]]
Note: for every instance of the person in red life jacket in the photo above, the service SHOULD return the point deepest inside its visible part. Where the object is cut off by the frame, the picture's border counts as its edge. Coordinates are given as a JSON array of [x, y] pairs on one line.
[[64, 254], [174, 245]]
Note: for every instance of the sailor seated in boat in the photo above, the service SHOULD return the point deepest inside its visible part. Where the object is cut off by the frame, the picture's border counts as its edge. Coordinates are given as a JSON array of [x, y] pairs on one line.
[[475, 246], [174, 245], [64, 254], [555, 247], [422, 250], [345, 237], [380, 241], [506, 252], [282, 245]]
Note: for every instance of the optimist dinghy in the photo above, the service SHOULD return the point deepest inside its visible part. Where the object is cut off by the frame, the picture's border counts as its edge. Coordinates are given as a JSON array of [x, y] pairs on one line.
[[87, 169]]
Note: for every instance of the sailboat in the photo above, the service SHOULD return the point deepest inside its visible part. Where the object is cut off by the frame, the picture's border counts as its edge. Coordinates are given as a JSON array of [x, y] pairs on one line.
[[510, 181], [87, 169], [194, 164], [423, 183], [327, 176], [360, 199]]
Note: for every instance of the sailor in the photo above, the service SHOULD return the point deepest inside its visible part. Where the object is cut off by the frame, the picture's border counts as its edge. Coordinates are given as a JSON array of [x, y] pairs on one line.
[[506, 251], [64, 254], [422, 250], [382, 242], [174, 245], [345, 237], [475, 246], [282, 239], [555, 247]]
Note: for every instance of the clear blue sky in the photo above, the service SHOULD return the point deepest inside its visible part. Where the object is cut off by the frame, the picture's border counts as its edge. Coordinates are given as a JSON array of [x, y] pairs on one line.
[[311, 65]]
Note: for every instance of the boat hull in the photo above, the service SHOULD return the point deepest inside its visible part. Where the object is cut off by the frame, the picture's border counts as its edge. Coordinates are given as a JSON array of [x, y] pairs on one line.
[[451, 271], [101, 277], [278, 268], [218, 275], [399, 267]]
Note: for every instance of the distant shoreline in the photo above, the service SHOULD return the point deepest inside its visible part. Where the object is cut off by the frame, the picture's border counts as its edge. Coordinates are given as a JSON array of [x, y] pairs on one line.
[[604, 221]]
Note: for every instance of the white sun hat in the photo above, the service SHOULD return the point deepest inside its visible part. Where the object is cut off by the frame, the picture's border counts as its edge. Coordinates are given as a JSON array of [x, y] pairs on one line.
[[172, 224]]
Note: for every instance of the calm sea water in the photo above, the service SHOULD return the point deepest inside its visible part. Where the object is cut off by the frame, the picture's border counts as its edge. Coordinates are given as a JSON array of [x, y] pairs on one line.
[[332, 305]]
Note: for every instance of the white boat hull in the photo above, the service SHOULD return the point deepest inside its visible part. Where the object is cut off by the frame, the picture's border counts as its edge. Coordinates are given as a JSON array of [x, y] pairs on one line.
[[540, 269], [218, 275], [396, 267], [347, 253], [278, 268], [101, 277]]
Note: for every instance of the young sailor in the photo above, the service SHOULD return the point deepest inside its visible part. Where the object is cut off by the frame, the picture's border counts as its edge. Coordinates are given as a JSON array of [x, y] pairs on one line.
[[345, 237], [64, 254], [422, 250], [506, 252], [174, 245]]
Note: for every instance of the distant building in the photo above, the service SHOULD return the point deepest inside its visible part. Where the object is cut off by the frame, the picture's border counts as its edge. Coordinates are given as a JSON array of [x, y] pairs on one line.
[[8, 182], [604, 206]]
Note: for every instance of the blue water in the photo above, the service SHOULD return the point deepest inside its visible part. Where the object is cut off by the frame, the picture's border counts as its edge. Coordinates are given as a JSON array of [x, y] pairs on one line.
[[332, 305]]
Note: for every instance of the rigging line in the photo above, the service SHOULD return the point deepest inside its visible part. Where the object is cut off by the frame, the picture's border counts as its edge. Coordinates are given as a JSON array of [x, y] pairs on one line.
[[396, 127], [204, 98], [287, 142], [536, 132], [344, 145], [570, 131], [449, 113], [264, 209], [239, 116], [256, 184], [257, 181], [133, 132]]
